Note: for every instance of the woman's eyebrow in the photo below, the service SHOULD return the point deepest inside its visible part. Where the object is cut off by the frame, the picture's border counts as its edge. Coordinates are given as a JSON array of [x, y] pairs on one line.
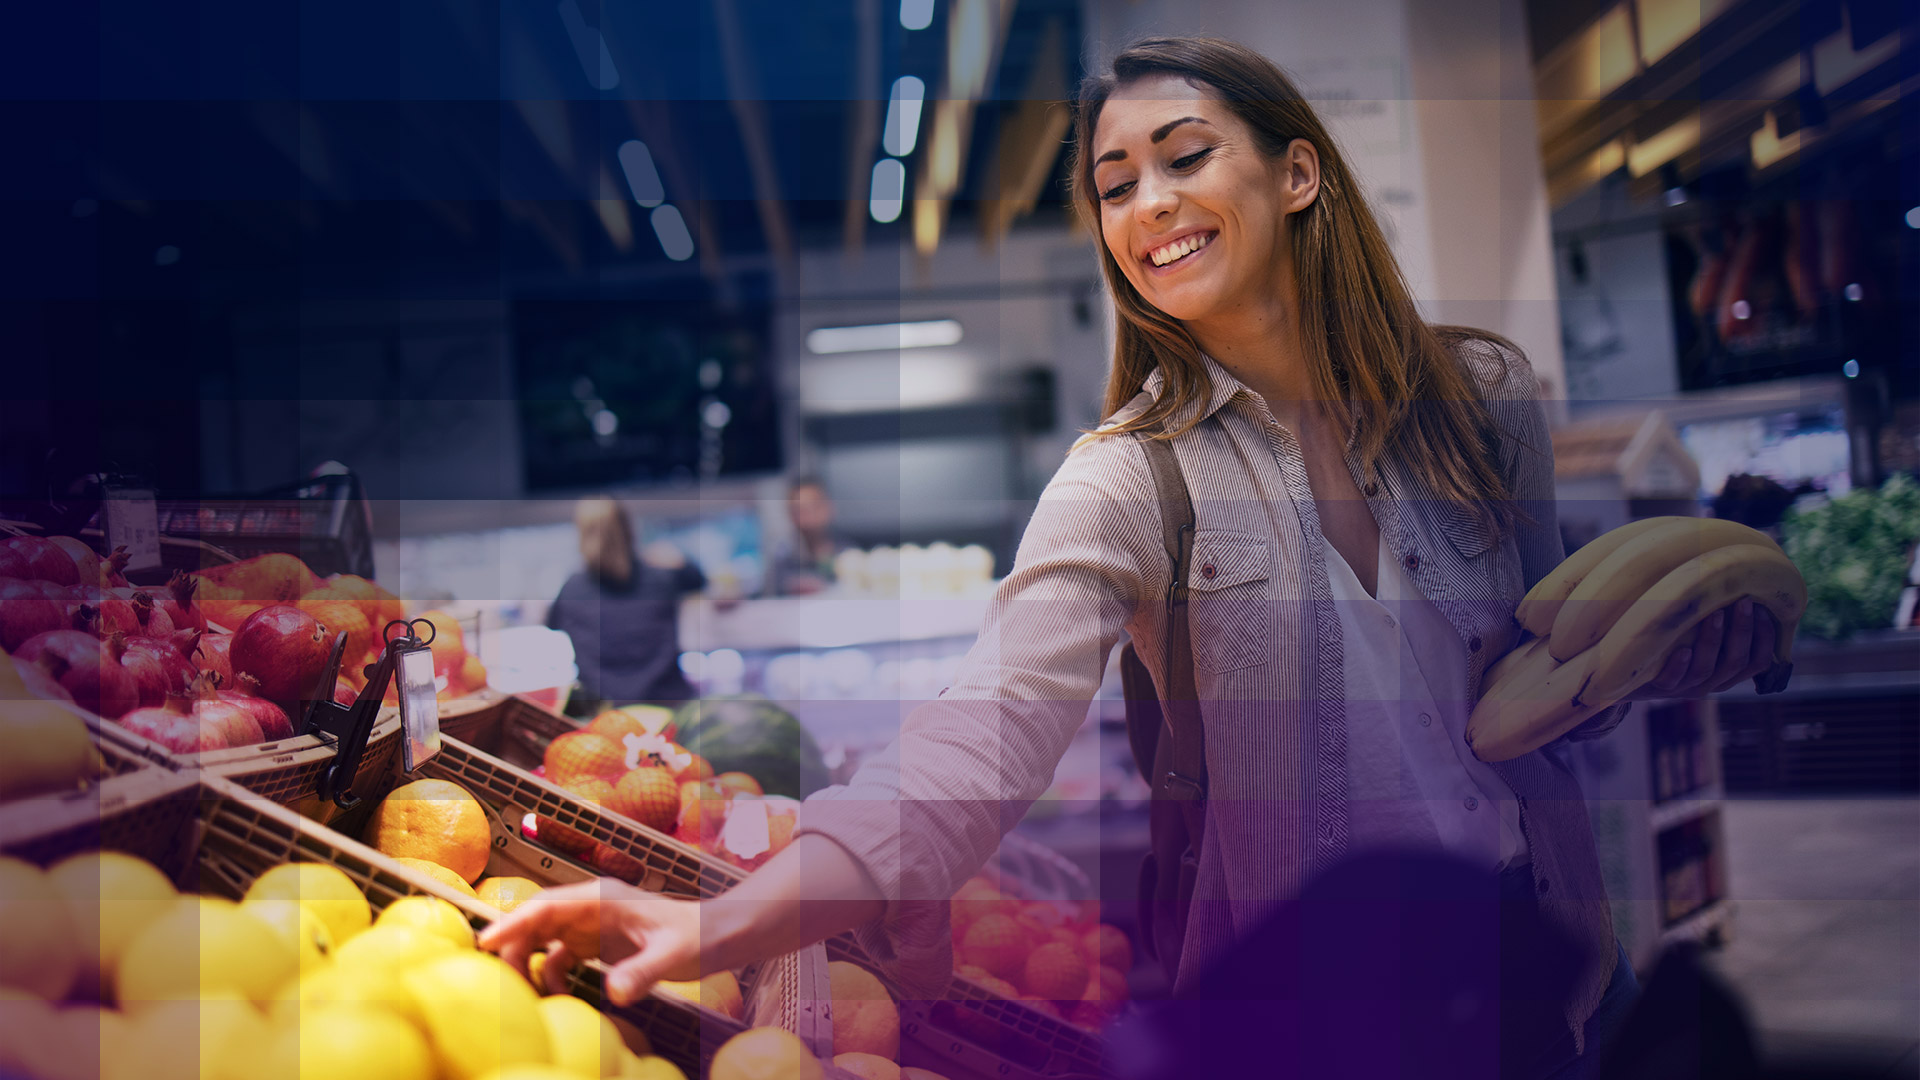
[[1159, 135]]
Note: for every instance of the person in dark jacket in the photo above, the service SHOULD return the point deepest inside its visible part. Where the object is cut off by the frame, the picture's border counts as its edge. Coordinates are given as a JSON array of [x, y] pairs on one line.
[[622, 612]]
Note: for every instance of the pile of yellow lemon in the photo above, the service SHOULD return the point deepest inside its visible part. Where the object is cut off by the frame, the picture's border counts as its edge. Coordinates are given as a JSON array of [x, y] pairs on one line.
[[106, 971]]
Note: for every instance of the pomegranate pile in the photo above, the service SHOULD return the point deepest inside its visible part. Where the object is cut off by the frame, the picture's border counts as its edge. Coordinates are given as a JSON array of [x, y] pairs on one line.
[[210, 660]]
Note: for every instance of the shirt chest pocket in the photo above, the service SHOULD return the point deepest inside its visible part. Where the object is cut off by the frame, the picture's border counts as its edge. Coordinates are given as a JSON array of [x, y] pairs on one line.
[[1230, 603]]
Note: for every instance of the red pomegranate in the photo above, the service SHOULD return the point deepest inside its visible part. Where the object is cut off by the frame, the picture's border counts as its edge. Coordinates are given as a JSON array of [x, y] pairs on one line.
[[111, 567], [44, 559], [176, 726], [38, 682], [213, 656], [85, 562], [88, 669], [147, 610], [182, 608], [272, 719], [285, 648], [159, 666], [114, 612], [15, 565], [26, 610]]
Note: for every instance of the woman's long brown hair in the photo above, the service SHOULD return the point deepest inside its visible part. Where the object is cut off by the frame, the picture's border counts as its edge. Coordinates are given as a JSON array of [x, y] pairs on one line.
[[1364, 339]]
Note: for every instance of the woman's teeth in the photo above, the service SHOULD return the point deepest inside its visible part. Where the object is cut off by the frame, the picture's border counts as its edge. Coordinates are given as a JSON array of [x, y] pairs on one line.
[[1180, 248]]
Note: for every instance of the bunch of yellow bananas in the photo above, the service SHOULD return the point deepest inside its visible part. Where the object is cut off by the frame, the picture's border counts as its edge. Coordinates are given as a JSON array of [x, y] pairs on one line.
[[1603, 622]]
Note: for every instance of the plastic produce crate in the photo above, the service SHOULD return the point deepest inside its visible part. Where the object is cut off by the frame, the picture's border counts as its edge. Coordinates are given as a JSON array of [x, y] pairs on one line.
[[790, 991], [211, 836], [286, 771]]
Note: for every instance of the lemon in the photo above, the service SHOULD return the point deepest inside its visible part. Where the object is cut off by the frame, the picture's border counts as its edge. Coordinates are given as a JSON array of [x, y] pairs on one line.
[[582, 1039], [40, 947], [532, 1072], [392, 948], [765, 1053], [366, 987], [298, 928], [326, 889], [218, 1037], [649, 1067], [112, 897], [336, 1042], [199, 945], [430, 914], [481, 1015]]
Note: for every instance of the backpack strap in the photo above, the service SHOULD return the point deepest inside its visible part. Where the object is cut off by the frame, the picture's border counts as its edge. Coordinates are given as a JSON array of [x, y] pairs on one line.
[[1186, 760]]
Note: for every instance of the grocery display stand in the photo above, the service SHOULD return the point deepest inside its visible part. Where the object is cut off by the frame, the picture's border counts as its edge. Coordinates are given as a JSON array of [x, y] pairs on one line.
[[211, 836], [971, 1033]]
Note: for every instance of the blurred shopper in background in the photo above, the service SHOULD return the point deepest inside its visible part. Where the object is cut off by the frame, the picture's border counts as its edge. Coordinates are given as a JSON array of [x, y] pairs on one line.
[[804, 563], [622, 612], [1373, 495]]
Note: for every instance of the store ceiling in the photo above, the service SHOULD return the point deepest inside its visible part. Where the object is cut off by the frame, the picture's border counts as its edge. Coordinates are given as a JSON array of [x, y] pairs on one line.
[[354, 138]]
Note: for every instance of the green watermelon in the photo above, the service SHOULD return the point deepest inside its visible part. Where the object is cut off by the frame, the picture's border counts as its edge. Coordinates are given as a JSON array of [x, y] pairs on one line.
[[750, 734]]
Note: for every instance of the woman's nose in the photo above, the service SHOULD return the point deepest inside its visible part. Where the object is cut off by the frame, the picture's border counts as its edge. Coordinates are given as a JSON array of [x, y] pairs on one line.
[[1154, 200]]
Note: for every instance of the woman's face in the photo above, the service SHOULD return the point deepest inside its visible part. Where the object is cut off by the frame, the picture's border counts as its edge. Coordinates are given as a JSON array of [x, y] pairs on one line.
[[1191, 209]]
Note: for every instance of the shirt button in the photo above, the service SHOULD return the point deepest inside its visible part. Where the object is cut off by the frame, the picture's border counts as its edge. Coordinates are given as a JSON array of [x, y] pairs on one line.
[[1474, 645], [1371, 489], [1413, 561], [1208, 571], [1542, 885], [1390, 623], [1471, 803], [1425, 720]]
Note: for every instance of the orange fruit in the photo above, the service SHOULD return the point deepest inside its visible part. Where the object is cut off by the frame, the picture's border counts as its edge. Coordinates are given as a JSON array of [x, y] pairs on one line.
[[865, 1019], [970, 904], [506, 893], [438, 873], [615, 863], [358, 591], [765, 1053], [338, 614], [583, 753], [867, 1066], [739, 782], [588, 789], [988, 981], [473, 673], [449, 644], [1108, 946], [437, 821], [649, 796], [1106, 990], [997, 943], [697, 769], [1055, 970]]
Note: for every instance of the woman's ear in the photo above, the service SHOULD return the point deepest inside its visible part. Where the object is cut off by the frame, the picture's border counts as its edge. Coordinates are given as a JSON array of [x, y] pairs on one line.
[[1300, 178]]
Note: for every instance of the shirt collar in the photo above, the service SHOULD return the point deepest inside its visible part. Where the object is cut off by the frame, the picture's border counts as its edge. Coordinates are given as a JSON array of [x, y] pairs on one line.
[[1224, 388]]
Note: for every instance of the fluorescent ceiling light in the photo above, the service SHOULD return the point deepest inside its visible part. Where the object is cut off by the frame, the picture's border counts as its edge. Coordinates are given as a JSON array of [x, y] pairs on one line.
[[903, 116], [889, 191], [642, 178], [589, 47], [911, 335], [916, 14], [671, 228]]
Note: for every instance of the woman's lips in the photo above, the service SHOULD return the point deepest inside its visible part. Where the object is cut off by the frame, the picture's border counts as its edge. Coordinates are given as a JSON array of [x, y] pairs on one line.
[[1185, 260]]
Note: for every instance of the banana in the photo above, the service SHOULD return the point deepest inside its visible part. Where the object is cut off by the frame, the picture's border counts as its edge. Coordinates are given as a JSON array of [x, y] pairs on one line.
[[1634, 567], [1634, 649], [1536, 704], [1525, 657], [1542, 603]]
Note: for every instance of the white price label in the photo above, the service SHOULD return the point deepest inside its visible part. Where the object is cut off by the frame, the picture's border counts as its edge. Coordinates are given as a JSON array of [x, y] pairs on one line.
[[133, 522]]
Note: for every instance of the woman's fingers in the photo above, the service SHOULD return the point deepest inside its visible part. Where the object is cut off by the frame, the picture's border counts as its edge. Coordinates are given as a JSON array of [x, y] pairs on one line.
[[1707, 650], [554, 972], [547, 916], [630, 979], [1671, 673]]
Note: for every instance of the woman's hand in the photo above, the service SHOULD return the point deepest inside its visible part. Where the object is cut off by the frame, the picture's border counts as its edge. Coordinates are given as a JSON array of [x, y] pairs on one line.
[[644, 936], [1728, 647]]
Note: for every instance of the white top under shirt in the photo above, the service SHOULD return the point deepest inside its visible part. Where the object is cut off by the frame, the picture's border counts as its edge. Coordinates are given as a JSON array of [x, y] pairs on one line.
[[1412, 781]]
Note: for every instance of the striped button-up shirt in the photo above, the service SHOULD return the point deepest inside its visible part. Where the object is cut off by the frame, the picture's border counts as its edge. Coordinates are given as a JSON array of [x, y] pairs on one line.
[[1268, 660]]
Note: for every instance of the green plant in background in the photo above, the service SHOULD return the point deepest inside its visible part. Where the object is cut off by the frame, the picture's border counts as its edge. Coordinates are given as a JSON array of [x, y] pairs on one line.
[[1854, 552]]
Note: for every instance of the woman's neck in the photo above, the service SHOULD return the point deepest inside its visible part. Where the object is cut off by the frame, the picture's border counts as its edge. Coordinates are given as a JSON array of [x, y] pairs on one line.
[[1261, 346]]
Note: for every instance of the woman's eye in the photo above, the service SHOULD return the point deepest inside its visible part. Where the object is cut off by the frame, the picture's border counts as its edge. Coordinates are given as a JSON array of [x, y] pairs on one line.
[[1116, 191], [1192, 159]]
